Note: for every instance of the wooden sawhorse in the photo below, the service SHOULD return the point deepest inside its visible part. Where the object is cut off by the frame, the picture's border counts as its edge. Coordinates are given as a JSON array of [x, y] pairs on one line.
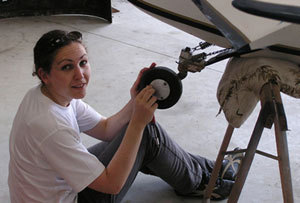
[[272, 111]]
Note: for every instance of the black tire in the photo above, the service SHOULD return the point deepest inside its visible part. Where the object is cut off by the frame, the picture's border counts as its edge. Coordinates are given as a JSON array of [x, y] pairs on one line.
[[168, 76]]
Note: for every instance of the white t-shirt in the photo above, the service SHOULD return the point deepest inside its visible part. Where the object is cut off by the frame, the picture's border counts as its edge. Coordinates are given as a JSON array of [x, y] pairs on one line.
[[48, 162]]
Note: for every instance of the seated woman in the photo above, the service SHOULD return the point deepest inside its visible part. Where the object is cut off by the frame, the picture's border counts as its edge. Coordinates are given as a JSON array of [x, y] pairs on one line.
[[49, 163]]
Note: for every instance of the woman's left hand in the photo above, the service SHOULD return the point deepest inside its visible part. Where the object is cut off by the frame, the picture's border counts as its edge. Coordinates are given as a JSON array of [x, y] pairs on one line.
[[133, 90]]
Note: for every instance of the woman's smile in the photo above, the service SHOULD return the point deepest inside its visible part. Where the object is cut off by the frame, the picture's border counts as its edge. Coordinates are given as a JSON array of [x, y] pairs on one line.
[[79, 85]]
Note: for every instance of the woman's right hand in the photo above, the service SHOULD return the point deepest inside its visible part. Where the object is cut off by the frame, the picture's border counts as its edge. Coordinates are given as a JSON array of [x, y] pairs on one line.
[[144, 106]]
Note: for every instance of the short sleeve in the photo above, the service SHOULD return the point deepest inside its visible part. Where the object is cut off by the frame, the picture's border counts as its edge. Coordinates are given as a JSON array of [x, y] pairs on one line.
[[86, 116], [70, 159]]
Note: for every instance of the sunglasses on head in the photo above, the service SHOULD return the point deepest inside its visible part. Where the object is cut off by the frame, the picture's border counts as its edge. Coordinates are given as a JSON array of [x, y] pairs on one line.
[[58, 41]]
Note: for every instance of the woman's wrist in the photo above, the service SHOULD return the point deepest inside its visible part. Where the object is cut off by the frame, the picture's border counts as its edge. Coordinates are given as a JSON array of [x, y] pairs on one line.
[[130, 107], [137, 123]]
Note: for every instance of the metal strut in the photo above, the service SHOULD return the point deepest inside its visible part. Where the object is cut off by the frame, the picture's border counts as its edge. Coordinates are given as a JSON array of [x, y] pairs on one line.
[[191, 62]]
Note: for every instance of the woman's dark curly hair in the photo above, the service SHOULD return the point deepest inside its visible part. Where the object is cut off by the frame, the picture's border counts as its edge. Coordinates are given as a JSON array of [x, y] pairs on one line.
[[48, 45]]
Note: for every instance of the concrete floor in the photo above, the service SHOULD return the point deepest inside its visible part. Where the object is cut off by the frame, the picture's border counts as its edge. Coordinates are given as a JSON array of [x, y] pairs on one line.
[[117, 52]]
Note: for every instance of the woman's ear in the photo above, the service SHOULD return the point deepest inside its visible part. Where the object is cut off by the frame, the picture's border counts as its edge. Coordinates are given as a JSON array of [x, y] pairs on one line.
[[43, 75]]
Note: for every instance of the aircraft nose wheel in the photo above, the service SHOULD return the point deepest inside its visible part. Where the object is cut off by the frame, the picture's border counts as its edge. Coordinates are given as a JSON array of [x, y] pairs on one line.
[[167, 84]]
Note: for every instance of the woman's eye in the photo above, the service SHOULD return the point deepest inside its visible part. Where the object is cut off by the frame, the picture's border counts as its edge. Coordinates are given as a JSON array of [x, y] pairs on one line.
[[83, 63], [67, 67]]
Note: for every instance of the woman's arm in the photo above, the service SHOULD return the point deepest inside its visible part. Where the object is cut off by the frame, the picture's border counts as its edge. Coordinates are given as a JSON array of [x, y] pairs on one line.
[[107, 128]]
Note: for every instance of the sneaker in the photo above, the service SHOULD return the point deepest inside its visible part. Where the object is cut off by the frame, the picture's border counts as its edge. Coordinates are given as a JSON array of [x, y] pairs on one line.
[[220, 192], [231, 165], [222, 189]]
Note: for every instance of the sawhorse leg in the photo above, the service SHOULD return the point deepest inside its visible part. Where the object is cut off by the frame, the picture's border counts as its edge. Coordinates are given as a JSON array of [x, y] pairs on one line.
[[218, 163], [249, 155], [282, 148]]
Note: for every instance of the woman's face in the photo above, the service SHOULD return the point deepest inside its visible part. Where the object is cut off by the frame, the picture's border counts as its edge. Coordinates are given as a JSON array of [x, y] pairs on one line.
[[69, 74]]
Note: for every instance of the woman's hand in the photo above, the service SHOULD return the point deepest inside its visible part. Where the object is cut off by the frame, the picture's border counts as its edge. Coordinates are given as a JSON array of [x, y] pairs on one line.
[[133, 90], [144, 106]]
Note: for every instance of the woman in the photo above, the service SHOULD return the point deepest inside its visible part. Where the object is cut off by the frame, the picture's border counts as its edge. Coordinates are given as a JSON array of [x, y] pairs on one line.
[[49, 163]]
